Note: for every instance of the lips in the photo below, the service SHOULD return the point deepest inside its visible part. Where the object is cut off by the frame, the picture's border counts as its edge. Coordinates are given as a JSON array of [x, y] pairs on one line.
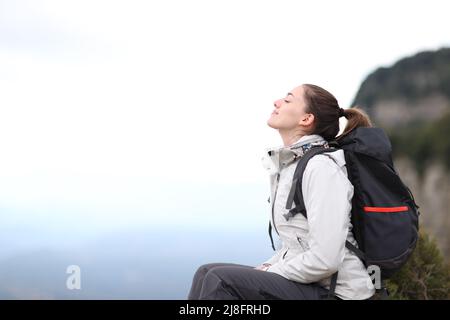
[[274, 112]]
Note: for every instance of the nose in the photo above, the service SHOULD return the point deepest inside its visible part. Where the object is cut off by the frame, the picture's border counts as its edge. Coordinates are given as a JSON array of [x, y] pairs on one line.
[[277, 103]]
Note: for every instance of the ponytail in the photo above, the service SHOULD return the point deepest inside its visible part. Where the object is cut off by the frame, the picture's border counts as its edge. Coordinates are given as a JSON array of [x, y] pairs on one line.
[[356, 118]]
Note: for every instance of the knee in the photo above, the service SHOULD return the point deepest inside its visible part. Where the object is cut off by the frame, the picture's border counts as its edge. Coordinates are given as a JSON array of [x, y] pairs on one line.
[[203, 269], [215, 287], [215, 278], [219, 273]]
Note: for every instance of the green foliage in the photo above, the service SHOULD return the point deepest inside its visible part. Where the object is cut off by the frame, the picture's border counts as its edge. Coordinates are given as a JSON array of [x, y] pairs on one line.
[[425, 276], [422, 142]]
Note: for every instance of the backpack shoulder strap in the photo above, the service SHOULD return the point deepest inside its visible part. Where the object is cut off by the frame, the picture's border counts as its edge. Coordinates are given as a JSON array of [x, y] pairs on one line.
[[295, 194]]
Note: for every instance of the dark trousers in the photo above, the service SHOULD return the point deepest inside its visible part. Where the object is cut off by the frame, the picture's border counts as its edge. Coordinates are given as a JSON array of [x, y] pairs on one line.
[[229, 281]]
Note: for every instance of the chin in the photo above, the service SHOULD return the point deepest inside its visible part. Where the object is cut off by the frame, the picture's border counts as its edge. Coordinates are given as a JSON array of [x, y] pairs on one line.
[[272, 124]]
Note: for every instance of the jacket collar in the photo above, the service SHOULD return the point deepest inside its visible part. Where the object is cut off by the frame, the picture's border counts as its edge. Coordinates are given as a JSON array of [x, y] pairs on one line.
[[299, 146], [276, 157]]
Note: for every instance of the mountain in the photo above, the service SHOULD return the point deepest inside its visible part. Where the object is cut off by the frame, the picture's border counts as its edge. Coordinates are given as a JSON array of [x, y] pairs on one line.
[[413, 90]]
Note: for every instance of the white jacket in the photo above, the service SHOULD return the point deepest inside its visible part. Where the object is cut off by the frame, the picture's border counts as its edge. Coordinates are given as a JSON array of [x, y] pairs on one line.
[[313, 249]]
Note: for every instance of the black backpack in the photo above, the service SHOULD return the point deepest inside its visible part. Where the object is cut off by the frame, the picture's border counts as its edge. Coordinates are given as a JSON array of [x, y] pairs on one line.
[[384, 214]]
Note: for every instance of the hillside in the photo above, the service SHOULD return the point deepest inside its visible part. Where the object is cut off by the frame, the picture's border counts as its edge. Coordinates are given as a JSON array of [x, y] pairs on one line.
[[413, 90]]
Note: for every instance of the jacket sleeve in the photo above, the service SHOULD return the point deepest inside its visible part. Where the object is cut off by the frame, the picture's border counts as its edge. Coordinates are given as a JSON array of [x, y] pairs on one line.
[[327, 194]]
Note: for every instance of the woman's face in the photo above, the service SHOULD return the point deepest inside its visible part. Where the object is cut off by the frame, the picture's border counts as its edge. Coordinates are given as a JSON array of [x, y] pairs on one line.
[[289, 112]]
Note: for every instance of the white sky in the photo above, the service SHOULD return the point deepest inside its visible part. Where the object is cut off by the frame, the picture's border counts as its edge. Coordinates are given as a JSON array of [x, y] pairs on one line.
[[177, 90]]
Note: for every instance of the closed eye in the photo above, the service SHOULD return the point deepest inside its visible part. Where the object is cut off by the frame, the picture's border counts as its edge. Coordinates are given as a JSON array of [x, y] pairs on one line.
[[286, 101]]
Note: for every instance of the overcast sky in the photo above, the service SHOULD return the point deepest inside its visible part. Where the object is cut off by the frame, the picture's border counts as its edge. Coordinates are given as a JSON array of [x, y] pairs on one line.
[[95, 92]]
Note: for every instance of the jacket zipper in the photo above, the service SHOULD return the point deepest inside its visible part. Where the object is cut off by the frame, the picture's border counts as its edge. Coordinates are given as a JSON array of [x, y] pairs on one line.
[[273, 203], [302, 243], [285, 253]]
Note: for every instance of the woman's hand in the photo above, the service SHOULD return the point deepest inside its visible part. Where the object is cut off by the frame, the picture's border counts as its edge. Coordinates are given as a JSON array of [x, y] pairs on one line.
[[263, 267]]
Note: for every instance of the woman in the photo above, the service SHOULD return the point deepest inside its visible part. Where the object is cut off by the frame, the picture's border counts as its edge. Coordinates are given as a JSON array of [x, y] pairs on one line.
[[312, 249]]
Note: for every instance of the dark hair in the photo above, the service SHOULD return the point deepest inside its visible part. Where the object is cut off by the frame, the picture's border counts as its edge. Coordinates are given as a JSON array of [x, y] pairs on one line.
[[326, 110]]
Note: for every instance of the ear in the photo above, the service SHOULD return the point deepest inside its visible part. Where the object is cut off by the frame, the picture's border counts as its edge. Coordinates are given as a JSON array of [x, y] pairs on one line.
[[306, 120]]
